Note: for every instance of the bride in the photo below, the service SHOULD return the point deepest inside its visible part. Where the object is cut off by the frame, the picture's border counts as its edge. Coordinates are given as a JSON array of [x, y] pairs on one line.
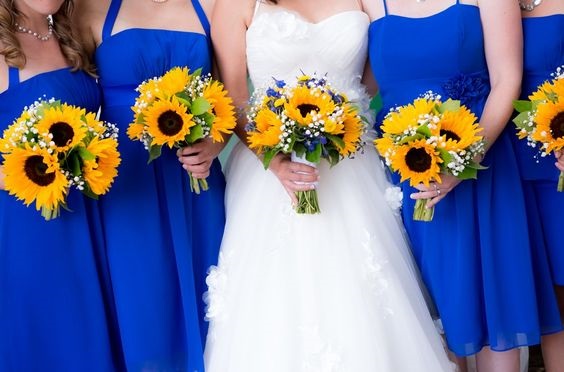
[[330, 292]]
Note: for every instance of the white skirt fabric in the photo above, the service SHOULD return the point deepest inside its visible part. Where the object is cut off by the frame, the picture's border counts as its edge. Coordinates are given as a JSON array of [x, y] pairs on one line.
[[333, 292]]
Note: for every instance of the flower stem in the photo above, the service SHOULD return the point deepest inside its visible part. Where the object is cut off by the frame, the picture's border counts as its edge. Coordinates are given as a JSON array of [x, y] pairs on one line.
[[198, 184], [307, 202], [561, 182], [49, 214], [421, 212]]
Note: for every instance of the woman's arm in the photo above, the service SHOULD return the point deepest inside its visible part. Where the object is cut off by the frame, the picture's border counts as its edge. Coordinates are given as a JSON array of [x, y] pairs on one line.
[[503, 38], [230, 21]]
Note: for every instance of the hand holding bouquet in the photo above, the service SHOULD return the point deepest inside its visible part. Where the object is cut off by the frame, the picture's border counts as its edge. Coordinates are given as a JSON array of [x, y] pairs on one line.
[[541, 118], [179, 109], [427, 138], [309, 120], [52, 147]]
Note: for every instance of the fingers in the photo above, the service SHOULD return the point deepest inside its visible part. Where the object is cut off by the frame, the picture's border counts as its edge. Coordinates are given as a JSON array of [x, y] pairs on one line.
[[433, 193], [560, 166], [201, 170], [292, 196]]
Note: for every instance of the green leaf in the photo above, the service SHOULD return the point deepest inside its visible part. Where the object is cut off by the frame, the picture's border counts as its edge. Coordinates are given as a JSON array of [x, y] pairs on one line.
[[315, 155], [333, 157], [184, 99], [449, 105], [140, 119], [522, 121], [477, 166], [200, 106], [268, 157], [424, 130], [411, 138], [445, 155], [338, 141], [197, 73], [154, 152], [85, 154], [196, 133], [468, 173], [73, 162], [522, 106], [299, 149], [208, 118]]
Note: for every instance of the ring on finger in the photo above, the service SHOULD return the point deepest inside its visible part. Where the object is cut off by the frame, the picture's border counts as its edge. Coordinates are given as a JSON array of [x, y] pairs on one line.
[[435, 186], [438, 192]]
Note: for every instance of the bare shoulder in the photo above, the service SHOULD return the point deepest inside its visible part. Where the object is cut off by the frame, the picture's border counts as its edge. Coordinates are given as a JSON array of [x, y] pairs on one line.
[[89, 17], [374, 9], [240, 9], [3, 74]]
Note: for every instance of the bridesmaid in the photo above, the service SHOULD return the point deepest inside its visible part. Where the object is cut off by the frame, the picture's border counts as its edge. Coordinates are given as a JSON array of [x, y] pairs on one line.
[[160, 237], [54, 312], [543, 28], [475, 255]]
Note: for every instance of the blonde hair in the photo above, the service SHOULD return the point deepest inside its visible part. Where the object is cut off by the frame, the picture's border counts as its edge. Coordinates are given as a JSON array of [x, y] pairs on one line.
[[72, 49]]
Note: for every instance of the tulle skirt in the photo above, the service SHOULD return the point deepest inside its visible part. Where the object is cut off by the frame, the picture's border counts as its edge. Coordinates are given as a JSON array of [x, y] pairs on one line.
[[335, 291]]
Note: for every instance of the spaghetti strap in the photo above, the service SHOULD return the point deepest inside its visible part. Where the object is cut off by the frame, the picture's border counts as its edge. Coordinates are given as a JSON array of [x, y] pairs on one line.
[[257, 6], [386, 7], [111, 19], [13, 76], [202, 16]]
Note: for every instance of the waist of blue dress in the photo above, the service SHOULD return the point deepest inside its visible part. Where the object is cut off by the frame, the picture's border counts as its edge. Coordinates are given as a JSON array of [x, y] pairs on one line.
[[119, 96]]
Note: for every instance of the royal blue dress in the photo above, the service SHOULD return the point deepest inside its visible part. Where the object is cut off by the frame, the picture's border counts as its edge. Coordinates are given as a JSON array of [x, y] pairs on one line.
[[55, 305], [544, 52], [161, 238], [475, 255]]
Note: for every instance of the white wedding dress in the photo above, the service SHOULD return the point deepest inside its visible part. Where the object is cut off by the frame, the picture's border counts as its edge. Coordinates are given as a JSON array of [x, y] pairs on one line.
[[333, 292]]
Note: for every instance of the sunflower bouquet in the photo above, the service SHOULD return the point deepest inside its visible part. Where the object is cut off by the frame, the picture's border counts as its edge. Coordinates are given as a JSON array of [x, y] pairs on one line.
[[309, 120], [52, 147], [427, 138], [541, 118], [179, 109]]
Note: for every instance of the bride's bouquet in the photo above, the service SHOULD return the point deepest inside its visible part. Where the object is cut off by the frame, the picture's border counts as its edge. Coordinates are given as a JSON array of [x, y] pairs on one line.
[[541, 118], [427, 138], [52, 147], [309, 120], [179, 109]]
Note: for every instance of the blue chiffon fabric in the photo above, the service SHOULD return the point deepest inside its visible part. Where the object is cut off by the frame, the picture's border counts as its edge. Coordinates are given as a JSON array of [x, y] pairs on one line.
[[161, 238], [544, 52], [55, 296], [475, 255]]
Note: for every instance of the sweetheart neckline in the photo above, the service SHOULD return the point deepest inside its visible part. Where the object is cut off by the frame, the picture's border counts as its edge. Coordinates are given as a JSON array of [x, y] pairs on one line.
[[304, 20]]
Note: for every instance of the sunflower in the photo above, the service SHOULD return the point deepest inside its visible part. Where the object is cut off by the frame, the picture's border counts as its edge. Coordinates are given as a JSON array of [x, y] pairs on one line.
[[353, 129], [417, 161], [541, 94], [100, 173], [148, 91], [168, 122], [63, 126], [305, 101], [267, 133], [458, 129], [174, 81], [222, 109], [550, 125], [135, 131], [94, 124], [385, 146], [408, 116], [35, 175]]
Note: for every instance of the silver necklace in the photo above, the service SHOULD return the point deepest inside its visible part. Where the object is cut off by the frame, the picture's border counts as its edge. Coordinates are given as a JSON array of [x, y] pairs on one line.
[[529, 6], [38, 36], [159, 1]]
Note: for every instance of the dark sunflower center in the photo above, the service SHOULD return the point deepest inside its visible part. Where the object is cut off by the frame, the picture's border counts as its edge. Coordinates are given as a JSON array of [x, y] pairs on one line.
[[450, 135], [170, 123], [418, 160], [306, 108], [62, 133], [557, 125], [35, 170]]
